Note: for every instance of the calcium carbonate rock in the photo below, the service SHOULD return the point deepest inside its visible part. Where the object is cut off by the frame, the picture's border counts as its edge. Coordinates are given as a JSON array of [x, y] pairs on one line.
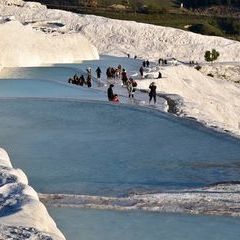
[[12, 2], [23, 46], [22, 215]]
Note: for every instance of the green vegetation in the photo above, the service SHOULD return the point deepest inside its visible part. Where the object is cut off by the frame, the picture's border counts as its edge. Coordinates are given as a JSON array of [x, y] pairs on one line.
[[211, 56], [158, 12], [206, 29], [207, 3]]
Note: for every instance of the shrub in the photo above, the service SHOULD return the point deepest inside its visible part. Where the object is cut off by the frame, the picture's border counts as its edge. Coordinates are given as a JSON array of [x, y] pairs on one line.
[[206, 29], [211, 56]]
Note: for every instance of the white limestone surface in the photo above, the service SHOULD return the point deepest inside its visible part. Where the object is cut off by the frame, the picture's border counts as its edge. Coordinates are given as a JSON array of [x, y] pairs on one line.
[[228, 71], [211, 101], [220, 199], [116, 37], [21, 212], [21, 45]]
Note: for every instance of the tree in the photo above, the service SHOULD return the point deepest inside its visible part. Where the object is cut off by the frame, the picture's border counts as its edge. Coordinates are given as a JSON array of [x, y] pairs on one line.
[[211, 56]]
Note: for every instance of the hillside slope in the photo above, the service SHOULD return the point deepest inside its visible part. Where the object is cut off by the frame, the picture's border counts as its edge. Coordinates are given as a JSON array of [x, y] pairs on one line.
[[121, 37]]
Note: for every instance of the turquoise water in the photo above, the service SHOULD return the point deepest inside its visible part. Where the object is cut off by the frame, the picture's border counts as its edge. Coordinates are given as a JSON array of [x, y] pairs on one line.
[[90, 224], [98, 148], [60, 74], [47, 89], [85, 147]]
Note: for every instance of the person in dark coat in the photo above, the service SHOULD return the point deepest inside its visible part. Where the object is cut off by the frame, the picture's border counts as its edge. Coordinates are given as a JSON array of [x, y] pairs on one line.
[[160, 61], [82, 80], [77, 81], [108, 72], [144, 63], [134, 84], [159, 75], [110, 92], [75, 77], [112, 72], [141, 71], [153, 92], [147, 63], [124, 77], [89, 81], [89, 77], [98, 71]]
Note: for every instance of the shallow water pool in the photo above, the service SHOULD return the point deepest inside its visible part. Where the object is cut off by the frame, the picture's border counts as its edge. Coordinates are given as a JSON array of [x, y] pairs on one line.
[[26, 88], [84, 147], [55, 73], [90, 224], [103, 149]]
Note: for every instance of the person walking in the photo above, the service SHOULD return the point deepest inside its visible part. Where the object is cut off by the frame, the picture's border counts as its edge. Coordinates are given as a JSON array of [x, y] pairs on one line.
[[89, 71], [98, 71], [147, 63], [130, 88], [89, 77], [160, 61], [153, 92], [134, 84], [141, 71], [89, 81], [124, 77]]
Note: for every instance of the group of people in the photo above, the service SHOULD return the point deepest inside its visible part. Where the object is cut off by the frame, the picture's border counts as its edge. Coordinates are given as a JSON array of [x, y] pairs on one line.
[[193, 63], [141, 71], [146, 63], [114, 72], [111, 72], [131, 90], [162, 61], [131, 84], [128, 55], [81, 81]]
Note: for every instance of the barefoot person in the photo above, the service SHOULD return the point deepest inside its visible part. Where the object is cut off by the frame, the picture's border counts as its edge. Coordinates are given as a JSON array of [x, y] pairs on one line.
[[130, 88], [98, 71], [141, 71], [112, 97], [159, 75], [124, 77]]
